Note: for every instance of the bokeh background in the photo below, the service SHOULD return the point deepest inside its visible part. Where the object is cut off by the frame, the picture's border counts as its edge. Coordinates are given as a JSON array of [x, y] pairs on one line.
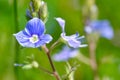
[[108, 51]]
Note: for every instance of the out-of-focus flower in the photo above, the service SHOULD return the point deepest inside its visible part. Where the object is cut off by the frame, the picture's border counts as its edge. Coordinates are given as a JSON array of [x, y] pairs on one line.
[[72, 40], [65, 54], [102, 27], [33, 35]]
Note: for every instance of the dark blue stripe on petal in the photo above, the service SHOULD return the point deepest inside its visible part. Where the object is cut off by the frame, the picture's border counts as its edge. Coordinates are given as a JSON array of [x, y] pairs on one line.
[[35, 26]]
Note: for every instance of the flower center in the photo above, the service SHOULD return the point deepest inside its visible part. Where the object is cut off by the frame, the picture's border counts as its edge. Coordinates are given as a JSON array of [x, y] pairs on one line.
[[34, 38]]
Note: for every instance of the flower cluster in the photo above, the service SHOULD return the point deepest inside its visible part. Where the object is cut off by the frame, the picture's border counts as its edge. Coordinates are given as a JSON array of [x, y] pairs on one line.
[[33, 36]]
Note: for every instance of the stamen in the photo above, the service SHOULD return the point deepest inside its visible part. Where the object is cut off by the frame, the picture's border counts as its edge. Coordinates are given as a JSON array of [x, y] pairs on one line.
[[34, 38]]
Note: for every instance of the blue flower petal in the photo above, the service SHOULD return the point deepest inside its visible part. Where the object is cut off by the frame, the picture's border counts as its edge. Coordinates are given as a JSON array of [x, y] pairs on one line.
[[106, 30], [65, 54], [102, 27], [23, 39], [61, 57], [61, 23], [73, 40], [74, 43], [35, 26], [46, 38]]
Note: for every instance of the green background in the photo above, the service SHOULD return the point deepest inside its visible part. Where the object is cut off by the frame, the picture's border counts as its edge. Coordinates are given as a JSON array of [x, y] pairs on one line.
[[108, 51]]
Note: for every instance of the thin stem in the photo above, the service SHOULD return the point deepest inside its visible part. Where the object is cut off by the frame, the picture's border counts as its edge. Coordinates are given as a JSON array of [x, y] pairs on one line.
[[70, 71], [93, 62], [67, 76], [17, 51], [54, 44], [83, 59], [45, 70], [16, 16], [53, 68], [91, 15], [51, 63]]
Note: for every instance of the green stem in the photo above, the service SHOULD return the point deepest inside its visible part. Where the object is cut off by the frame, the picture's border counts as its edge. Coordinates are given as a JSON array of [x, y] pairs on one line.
[[16, 44], [54, 44], [45, 70], [91, 39], [93, 62], [83, 59]]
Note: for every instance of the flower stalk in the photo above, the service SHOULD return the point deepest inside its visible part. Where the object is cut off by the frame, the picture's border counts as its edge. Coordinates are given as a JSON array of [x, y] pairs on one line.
[[93, 62], [45, 70], [90, 13], [55, 73]]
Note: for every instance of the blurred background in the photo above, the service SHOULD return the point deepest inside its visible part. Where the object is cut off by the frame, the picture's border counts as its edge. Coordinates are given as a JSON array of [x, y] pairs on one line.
[[108, 51]]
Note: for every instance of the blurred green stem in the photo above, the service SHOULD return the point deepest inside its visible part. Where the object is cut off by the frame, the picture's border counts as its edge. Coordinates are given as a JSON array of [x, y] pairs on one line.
[[45, 70], [55, 73], [83, 59], [93, 62], [90, 13], [16, 30], [55, 44]]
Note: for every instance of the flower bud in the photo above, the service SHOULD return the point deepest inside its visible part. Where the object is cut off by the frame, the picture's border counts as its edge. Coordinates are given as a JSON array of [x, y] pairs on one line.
[[28, 14], [35, 64], [43, 11], [94, 12], [27, 66], [36, 5]]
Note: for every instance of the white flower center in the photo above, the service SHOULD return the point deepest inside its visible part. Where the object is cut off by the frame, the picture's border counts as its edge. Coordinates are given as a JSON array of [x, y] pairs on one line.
[[34, 38]]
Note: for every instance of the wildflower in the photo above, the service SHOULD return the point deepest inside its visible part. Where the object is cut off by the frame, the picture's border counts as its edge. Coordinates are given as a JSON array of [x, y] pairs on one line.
[[65, 54], [102, 27], [72, 40], [33, 34]]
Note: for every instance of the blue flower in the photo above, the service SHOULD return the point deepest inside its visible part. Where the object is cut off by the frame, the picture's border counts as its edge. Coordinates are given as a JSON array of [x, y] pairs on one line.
[[65, 54], [33, 34], [72, 40], [102, 27]]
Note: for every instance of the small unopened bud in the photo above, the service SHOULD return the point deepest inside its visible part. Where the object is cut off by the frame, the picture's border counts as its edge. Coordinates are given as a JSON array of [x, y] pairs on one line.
[[28, 66], [35, 64], [43, 11], [36, 5], [34, 14], [94, 12], [31, 7], [28, 15]]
